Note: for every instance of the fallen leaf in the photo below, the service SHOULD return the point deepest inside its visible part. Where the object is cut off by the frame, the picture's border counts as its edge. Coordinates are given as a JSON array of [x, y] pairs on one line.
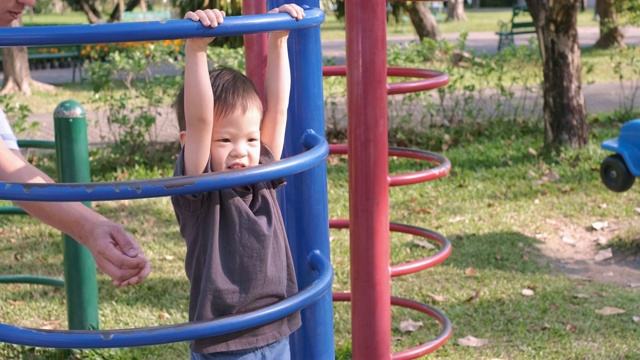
[[608, 310], [603, 205], [636, 319], [598, 225], [456, 219], [637, 210], [568, 240], [425, 244], [474, 296], [532, 152], [581, 296], [527, 292], [570, 328], [438, 298], [164, 316], [409, 325], [15, 302], [552, 176], [470, 271], [169, 257], [472, 341], [603, 255]]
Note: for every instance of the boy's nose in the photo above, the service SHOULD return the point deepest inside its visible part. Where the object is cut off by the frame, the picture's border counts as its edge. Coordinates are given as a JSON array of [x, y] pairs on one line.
[[239, 151]]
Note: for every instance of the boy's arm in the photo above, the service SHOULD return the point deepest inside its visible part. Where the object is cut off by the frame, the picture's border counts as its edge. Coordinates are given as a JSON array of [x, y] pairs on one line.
[[198, 97], [277, 85]]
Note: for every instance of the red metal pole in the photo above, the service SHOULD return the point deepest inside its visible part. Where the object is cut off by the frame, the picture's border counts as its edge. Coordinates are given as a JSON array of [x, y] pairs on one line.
[[368, 182], [255, 47]]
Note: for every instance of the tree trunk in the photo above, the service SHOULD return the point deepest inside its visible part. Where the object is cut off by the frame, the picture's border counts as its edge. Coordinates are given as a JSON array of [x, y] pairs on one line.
[[93, 15], [610, 34], [564, 109], [15, 62], [455, 11], [423, 20], [17, 76]]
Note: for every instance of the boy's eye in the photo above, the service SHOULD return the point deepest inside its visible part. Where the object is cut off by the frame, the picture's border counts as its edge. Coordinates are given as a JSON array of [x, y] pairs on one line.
[[253, 139], [223, 140]]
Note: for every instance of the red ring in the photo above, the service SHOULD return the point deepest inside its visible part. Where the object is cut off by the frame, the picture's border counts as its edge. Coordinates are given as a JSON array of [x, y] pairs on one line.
[[411, 266], [425, 348], [443, 168], [432, 79]]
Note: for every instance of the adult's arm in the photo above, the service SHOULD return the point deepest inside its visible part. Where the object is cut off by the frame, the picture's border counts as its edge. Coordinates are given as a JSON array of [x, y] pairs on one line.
[[116, 252]]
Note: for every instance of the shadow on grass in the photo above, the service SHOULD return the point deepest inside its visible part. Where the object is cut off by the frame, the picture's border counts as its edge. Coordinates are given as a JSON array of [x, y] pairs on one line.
[[507, 251]]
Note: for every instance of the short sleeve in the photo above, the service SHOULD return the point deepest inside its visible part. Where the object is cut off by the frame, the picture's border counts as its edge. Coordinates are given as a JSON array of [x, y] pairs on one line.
[[6, 133]]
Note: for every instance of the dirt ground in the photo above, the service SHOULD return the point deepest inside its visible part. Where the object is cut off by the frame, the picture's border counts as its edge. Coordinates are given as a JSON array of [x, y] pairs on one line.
[[585, 252]]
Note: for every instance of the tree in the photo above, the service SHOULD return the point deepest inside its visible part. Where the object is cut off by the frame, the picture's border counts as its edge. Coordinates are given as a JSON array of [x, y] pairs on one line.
[[610, 34], [17, 76], [565, 117], [455, 10], [422, 20]]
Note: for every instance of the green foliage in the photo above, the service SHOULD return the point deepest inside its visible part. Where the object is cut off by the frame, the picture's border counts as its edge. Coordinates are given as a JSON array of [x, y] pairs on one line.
[[17, 115], [230, 7], [626, 67], [131, 99], [628, 12]]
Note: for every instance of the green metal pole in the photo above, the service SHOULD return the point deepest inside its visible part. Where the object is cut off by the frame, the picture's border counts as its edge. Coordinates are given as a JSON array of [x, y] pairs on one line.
[[72, 151]]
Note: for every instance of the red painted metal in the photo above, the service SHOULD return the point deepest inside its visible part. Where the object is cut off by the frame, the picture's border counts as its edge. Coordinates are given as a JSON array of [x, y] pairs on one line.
[[432, 79], [416, 265], [425, 348], [368, 185], [443, 164], [255, 47]]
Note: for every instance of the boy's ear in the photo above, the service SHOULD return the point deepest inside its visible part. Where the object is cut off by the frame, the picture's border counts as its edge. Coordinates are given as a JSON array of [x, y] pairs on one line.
[[183, 135]]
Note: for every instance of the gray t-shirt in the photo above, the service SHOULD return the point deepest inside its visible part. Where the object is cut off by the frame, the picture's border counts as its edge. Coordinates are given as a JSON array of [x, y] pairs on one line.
[[238, 258]]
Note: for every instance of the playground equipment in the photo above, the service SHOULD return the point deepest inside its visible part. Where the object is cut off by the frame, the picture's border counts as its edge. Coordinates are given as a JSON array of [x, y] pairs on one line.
[[304, 200], [619, 171]]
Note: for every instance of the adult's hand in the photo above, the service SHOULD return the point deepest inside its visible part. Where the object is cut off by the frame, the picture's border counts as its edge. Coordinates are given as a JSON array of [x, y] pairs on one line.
[[116, 253]]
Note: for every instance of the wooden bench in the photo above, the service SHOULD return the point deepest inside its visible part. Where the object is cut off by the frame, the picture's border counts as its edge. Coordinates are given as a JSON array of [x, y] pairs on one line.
[[70, 54], [515, 27]]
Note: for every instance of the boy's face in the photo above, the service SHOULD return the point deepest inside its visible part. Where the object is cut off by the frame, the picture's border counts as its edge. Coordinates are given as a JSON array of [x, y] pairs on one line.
[[235, 143], [12, 10]]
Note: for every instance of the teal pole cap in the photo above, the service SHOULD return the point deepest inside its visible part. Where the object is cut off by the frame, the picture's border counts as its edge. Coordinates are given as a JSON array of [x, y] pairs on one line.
[[69, 109]]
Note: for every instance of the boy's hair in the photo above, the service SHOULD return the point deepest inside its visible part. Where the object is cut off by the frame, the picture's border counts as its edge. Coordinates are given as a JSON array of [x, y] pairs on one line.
[[231, 90]]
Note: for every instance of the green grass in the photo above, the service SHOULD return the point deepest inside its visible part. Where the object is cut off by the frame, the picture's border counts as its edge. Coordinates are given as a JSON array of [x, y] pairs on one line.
[[489, 206]]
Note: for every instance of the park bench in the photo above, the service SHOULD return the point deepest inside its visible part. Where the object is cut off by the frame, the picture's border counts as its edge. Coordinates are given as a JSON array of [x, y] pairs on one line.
[[515, 27], [48, 56]]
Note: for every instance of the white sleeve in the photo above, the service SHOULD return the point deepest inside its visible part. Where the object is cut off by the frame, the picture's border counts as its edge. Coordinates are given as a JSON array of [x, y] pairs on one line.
[[6, 133]]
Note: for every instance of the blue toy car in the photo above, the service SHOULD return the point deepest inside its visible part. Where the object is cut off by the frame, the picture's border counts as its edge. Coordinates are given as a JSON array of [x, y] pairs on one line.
[[619, 171]]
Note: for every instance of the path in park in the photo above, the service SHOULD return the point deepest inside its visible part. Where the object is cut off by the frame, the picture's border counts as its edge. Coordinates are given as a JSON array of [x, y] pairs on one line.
[[600, 97]]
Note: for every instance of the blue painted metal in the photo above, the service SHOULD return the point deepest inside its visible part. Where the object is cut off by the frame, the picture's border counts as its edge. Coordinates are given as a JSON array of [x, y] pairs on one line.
[[304, 200], [170, 186], [153, 30], [627, 144], [98, 339]]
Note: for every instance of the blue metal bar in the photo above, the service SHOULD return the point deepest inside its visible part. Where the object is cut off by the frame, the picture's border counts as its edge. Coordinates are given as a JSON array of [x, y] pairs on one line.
[[170, 186], [153, 30], [303, 201], [99, 339]]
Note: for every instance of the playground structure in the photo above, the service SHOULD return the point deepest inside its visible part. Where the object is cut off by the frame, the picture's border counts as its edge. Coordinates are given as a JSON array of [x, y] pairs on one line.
[[619, 171], [304, 200]]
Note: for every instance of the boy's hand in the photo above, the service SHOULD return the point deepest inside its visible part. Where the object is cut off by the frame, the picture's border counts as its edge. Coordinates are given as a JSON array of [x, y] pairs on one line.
[[209, 17], [294, 10]]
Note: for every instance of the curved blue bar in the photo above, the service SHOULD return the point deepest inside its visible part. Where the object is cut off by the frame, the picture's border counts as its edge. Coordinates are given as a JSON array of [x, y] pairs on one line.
[[99, 339], [154, 30], [170, 186]]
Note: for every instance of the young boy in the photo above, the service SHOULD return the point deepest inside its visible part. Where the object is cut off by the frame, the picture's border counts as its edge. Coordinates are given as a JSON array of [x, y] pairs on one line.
[[238, 258]]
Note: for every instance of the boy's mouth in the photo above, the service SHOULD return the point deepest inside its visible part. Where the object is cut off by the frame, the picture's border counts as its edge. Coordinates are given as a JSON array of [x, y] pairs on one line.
[[236, 166]]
